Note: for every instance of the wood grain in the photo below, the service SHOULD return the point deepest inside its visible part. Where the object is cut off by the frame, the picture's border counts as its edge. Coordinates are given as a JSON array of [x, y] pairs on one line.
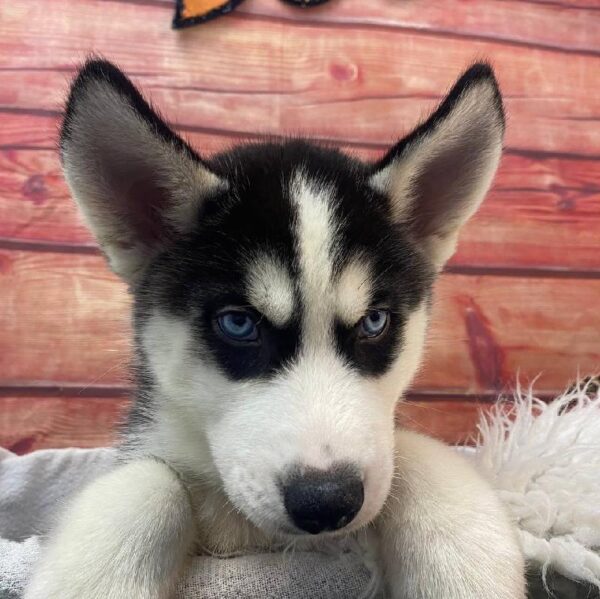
[[568, 26], [325, 82], [28, 423], [35, 204], [453, 422], [26, 130], [541, 213], [531, 24], [65, 320], [487, 331]]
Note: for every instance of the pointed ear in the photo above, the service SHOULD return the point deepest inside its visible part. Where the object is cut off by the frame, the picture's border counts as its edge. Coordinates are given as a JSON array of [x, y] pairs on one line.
[[437, 176], [137, 183]]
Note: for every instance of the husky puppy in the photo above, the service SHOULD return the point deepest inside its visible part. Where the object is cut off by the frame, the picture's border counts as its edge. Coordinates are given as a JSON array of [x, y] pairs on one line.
[[281, 293]]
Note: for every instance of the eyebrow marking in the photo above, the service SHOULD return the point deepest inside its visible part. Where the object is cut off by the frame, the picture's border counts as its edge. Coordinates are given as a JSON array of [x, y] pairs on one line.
[[270, 288], [353, 291]]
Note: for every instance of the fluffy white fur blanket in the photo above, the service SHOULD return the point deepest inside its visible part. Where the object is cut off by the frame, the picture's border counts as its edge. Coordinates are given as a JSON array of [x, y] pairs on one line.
[[544, 459]]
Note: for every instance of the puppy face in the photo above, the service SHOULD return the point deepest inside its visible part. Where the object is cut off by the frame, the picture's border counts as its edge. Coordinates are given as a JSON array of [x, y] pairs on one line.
[[293, 300], [281, 290]]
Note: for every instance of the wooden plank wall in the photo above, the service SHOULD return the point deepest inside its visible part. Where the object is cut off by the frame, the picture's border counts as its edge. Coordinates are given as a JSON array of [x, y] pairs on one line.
[[521, 295]]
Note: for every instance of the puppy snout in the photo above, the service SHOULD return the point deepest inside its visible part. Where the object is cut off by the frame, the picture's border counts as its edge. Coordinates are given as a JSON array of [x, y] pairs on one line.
[[321, 500]]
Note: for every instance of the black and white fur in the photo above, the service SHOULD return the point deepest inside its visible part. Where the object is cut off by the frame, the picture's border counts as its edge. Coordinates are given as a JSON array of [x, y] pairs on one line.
[[225, 437]]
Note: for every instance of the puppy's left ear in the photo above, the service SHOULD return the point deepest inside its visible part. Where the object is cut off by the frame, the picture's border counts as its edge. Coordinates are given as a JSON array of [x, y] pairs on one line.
[[437, 176], [137, 183]]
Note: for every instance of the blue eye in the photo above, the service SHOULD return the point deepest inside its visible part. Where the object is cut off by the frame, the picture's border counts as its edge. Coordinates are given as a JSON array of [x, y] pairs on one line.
[[238, 325], [374, 323]]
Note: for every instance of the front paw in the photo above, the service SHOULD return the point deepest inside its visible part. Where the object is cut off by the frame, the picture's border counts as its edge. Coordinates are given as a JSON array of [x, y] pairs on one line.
[[92, 575], [465, 560], [455, 579], [443, 532], [50, 582], [125, 536]]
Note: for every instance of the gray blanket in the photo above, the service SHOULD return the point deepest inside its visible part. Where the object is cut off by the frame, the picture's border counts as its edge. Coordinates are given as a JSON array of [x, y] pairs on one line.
[[33, 488]]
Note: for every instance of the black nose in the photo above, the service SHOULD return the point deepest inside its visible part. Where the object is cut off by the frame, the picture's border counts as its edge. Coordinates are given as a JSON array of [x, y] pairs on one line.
[[319, 500]]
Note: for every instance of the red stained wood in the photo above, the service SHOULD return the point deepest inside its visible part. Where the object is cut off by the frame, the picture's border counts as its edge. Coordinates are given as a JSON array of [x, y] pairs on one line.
[[568, 25], [453, 421], [549, 24], [65, 319], [35, 204], [540, 213], [26, 130], [30, 423], [273, 77], [485, 331]]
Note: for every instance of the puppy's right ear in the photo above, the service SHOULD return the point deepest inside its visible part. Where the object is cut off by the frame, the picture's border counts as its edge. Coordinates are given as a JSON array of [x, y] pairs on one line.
[[138, 184], [437, 176]]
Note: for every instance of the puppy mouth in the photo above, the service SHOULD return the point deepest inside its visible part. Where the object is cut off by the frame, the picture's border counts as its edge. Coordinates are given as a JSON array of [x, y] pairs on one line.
[[288, 531], [313, 504]]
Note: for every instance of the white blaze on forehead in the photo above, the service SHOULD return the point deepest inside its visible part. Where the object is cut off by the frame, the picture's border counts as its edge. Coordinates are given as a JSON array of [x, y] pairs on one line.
[[270, 288], [315, 233], [353, 291]]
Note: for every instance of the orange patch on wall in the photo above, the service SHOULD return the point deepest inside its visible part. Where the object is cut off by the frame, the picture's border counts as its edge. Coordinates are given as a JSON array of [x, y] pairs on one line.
[[194, 12], [196, 8]]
